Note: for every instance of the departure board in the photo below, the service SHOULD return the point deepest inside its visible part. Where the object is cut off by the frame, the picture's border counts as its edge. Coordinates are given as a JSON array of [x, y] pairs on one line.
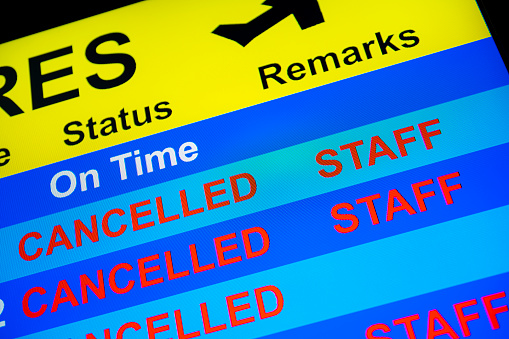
[[256, 169]]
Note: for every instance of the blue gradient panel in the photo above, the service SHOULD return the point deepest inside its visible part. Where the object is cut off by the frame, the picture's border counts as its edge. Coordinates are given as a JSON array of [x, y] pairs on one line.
[[280, 176], [333, 285], [297, 231]]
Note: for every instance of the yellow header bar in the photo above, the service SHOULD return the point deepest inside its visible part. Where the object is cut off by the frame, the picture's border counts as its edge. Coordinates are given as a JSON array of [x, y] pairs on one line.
[[74, 89]]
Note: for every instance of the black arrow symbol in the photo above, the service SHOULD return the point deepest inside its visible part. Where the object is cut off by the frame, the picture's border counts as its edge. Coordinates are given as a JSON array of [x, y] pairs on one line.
[[306, 12]]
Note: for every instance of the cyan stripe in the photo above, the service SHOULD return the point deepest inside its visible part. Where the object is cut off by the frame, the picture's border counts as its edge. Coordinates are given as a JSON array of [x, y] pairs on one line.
[[355, 325]]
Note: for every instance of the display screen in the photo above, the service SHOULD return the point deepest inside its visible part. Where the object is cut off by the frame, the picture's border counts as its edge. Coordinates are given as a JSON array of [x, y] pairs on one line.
[[256, 169]]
